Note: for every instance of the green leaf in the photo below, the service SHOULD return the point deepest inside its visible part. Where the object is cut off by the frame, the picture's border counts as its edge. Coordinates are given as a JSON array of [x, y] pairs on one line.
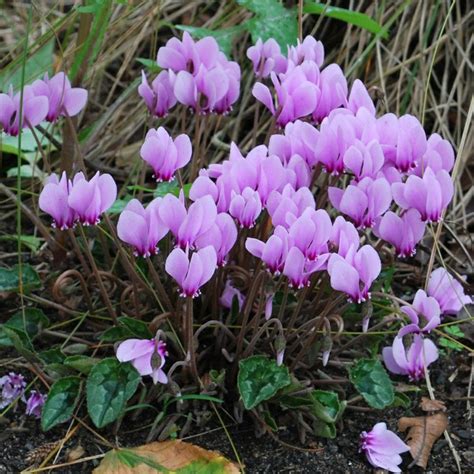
[[28, 326], [150, 64], [119, 205], [454, 331], [401, 400], [109, 386], [81, 363], [37, 64], [127, 328], [136, 327], [372, 381], [271, 20], [224, 36], [9, 278], [29, 241], [52, 356], [326, 405], [352, 17], [260, 379], [324, 430], [269, 420], [57, 371], [449, 344], [22, 344], [61, 402], [162, 189]]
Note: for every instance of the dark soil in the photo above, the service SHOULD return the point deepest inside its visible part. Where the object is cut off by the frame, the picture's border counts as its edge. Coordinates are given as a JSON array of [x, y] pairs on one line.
[[20, 436]]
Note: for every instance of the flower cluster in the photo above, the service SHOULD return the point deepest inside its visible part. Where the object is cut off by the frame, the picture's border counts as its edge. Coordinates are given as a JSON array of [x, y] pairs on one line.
[[445, 296], [195, 74], [13, 388], [44, 99], [78, 200]]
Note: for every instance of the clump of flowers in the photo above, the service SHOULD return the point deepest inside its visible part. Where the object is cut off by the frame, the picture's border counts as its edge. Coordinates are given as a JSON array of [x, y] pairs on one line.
[[12, 388]]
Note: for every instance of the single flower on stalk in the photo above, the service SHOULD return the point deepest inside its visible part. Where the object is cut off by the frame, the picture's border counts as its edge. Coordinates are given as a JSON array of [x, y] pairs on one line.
[[31, 107], [425, 306], [142, 228], [148, 356], [412, 362], [266, 58], [191, 273], [54, 200], [63, 99], [404, 232], [159, 97], [164, 154], [34, 404], [12, 387], [447, 291], [383, 447]]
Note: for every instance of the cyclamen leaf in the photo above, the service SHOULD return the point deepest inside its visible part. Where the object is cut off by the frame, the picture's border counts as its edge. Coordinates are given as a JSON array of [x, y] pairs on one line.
[[260, 379], [28, 324], [81, 363], [223, 36], [372, 381], [326, 405], [9, 278], [61, 402], [271, 20], [109, 386]]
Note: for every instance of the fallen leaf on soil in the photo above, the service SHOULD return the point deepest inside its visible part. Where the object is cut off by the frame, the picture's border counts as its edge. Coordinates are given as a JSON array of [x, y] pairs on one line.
[[423, 433], [165, 457], [75, 453], [432, 405]]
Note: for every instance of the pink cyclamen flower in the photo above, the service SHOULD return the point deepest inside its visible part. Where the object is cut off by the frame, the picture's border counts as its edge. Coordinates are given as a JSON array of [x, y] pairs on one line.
[[296, 96], [159, 98], [403, 140], [359, 97], [34, 404], [308, 50], [12, 387], [425, 306], [439, 155], [191, 274], [363, 202], [311, 232], [299, 139], [333, 87], [187, 225], [33, 111], [164, 154], [429, 195], [266, 58], [344, 237], [355, 273], [142, 228], [413, 362], [245, 207], [148, 356], [231, 294], [222, 235], [53, 200], [403, 232], [90, 199], [298, 269], [273, 252], [288, 204], [63, 99], [383, 447], [364, 160], [447, 291]]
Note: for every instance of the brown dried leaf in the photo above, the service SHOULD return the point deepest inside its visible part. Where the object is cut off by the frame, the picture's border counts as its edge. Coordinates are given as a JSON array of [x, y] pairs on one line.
[[423, 433], [75, 453], [432, 405], [170, 455]]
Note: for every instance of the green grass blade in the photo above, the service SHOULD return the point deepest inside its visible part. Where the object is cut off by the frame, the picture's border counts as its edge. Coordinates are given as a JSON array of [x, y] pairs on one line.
[[352, 17]]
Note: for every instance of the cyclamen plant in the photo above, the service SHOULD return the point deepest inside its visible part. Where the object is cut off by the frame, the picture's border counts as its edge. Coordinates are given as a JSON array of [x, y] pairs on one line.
[[264, 252]]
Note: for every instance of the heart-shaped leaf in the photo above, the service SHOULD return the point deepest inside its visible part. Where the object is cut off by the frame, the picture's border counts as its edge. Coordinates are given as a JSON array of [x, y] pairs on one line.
[[372, 381], [61, 402], [109, 386], [260, 379]]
